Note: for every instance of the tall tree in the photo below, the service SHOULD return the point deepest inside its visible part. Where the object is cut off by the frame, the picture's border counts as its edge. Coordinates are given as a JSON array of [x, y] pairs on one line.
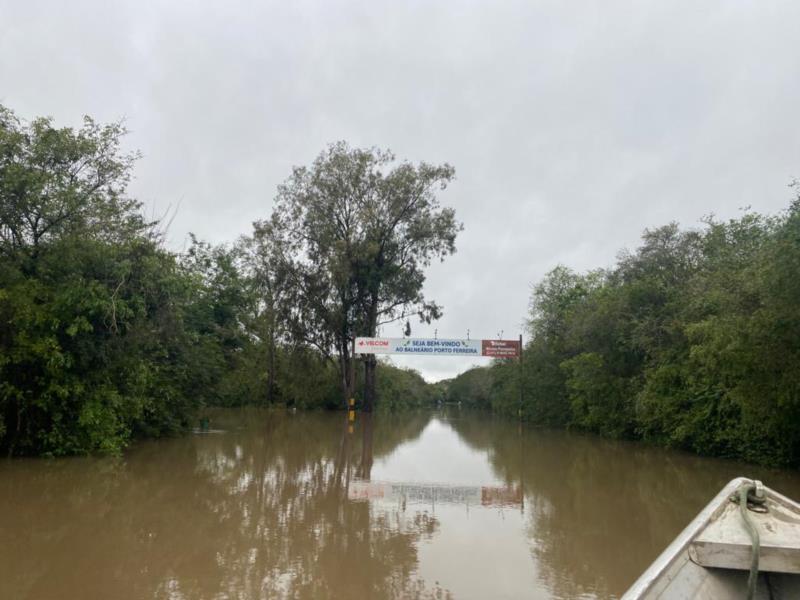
[[356, 231], [263, 262]]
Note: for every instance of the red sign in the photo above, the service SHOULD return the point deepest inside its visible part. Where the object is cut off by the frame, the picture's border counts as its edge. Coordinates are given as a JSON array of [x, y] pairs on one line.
[[500, 348]]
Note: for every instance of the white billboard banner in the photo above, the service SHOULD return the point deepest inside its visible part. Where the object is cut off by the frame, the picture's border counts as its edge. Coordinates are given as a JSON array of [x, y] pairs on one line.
[[423, 346]]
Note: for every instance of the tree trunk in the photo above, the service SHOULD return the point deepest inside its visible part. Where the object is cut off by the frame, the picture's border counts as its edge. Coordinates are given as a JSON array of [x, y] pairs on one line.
[[370, 362], [271, 369], [350, 392], [346, 373]]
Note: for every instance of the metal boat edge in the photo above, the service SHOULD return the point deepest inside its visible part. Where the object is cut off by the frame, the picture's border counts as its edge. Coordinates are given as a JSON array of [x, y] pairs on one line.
[[673, 562]]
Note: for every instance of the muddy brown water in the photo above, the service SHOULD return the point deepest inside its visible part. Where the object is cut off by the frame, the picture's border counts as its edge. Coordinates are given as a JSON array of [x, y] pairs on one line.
[[299, 505]]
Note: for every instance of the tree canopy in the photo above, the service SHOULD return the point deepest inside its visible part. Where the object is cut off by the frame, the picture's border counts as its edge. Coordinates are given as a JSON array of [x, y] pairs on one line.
[[690, 341], [355, 232]]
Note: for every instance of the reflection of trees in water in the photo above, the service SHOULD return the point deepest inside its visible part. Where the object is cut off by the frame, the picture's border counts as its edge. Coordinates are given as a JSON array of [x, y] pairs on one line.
[[599, 511], [263, 513], [302, 535]]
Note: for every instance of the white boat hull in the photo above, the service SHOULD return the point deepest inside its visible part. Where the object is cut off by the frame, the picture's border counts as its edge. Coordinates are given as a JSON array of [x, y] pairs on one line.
[[716, 539]]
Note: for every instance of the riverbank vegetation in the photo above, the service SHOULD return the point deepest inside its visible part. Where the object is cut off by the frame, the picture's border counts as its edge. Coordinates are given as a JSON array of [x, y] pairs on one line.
[[692, 341], [107, 335]]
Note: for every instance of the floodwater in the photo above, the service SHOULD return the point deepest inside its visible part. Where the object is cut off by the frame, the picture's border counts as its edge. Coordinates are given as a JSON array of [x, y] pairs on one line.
[[299, 505]]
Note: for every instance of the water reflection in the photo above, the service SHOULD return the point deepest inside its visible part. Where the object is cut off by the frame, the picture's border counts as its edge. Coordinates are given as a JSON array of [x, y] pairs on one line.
[[283, 505], [261, 512], [433, 494], [601, 511]]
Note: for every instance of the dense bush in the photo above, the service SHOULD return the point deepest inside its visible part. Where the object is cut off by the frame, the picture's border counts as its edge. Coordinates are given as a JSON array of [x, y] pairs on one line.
[[91, 321], [472, 388], [692, 341]]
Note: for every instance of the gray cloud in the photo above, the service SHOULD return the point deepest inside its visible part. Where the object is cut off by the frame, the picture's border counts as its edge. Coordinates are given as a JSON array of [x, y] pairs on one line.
[[572, 126]]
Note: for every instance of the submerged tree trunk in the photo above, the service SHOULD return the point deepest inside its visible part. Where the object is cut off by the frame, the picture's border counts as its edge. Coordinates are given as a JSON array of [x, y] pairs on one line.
[[351, 379]]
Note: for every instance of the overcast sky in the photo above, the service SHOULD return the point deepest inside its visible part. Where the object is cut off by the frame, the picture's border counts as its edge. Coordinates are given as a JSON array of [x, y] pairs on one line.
[[572, 125]]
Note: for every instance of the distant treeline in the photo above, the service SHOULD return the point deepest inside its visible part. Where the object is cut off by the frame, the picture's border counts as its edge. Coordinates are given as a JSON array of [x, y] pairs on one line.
[[106, 335], [692, 341]]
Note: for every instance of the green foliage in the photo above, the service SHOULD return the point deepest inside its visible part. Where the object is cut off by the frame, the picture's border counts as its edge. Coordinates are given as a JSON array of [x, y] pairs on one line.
[[89, 302], [403, 389], [691, 341], [599, 401], [472, 388]]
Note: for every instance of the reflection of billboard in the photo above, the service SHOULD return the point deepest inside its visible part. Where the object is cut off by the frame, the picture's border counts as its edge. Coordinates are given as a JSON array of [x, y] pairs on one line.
[[432, 493], [501, 496], [366, 490]]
